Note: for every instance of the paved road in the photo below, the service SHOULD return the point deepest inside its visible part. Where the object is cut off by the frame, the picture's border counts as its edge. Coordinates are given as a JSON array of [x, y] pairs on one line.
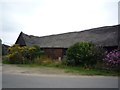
[[57, 81]]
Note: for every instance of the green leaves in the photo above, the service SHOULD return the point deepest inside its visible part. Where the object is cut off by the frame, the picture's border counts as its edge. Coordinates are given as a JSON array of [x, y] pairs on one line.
[[22, 55], [84, 53]]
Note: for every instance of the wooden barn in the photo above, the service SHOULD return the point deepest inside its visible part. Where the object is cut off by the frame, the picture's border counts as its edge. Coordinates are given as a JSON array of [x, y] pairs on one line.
[[55, 46]]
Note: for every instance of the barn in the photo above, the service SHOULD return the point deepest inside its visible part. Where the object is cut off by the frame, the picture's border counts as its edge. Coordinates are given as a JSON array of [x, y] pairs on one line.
[[5, 49], [55, 46]]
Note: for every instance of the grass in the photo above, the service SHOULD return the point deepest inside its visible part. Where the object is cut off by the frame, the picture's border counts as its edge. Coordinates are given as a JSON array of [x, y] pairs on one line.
[[74, 70], [83, 71]]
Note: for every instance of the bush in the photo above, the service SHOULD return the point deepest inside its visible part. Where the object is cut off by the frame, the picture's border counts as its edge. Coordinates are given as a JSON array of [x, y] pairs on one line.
[[14, 54], [23, 55], [112, 59], [43, 59], [85, 54], [5, 60]]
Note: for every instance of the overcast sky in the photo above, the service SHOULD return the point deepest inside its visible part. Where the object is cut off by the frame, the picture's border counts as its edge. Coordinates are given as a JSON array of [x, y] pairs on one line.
[[46, 17]]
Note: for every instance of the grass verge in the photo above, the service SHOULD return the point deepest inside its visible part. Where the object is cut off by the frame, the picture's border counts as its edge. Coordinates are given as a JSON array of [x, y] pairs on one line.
[[74, 70]]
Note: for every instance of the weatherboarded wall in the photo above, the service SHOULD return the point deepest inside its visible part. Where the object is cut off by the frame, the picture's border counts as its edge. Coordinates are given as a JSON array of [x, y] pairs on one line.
[[110, 48], [54, 53]]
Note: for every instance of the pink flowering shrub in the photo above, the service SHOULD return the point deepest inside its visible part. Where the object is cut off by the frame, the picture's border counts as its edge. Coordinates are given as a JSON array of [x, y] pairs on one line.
[[112, 59]]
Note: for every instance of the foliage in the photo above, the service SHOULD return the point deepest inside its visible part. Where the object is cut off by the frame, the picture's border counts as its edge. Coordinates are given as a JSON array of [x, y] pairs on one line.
[[23, 55], [14, 55], [85, 54], [43, 60], [112, 59], [5, 60]]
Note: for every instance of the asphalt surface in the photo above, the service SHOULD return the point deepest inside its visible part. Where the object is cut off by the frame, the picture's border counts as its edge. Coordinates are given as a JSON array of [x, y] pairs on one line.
[[57, 81]]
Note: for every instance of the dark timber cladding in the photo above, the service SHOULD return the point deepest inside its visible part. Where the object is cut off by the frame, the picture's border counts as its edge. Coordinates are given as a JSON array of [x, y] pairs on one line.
[[54, 53], [56, 45]]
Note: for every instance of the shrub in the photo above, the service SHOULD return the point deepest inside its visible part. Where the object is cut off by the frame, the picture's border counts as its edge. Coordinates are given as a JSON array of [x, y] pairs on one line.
[[14, 56], [23, 55], [112, 59], [64, 61], [5, 60], [42, 59], [85, 54]]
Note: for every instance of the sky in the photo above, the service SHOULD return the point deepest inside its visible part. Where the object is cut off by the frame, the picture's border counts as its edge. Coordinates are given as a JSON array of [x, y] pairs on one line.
[[47, 17]]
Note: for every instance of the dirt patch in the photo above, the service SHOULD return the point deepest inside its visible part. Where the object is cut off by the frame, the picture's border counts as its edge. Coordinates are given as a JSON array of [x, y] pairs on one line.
[[32, 70]]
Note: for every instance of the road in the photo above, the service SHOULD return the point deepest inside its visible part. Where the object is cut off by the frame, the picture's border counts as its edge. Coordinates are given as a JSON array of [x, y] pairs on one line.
[[11, 80]]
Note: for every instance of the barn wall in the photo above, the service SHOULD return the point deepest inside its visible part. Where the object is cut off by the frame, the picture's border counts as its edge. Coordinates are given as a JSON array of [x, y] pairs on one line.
[[110, 48], [54, 53]]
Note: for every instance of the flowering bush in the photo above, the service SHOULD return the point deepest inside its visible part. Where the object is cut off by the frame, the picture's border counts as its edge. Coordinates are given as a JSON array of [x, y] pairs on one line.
[[23, 55], [112, 59]]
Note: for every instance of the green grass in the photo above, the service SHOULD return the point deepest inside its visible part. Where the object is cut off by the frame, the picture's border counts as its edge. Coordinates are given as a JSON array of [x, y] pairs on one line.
[[74, 70], [83, 71]]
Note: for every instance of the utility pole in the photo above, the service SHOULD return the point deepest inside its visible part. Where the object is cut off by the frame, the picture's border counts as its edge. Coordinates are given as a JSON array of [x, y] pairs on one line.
[[118, 26], [118, 37]]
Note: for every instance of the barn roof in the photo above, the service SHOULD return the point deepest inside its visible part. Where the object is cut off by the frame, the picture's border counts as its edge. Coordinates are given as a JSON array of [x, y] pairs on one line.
[[104, 36]]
